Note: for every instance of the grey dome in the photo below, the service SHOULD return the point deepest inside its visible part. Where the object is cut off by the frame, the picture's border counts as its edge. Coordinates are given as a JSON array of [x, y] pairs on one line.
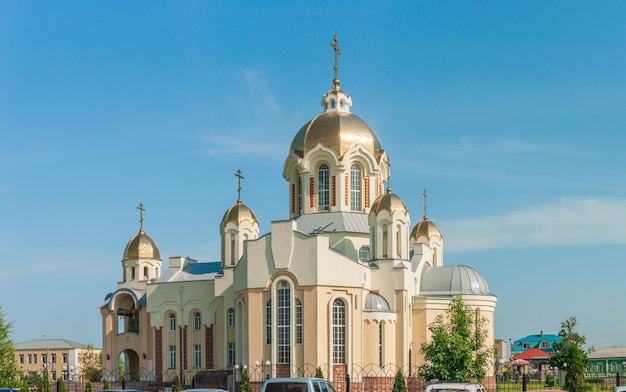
[[375, 303], [452, 280]]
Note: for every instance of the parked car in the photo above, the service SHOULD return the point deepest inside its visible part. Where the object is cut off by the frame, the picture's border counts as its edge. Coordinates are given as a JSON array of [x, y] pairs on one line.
[[455, 387], [205, 390], [296, 384]]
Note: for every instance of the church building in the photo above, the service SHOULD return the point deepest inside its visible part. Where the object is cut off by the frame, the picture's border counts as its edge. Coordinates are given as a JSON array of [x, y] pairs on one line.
[[346, 282]]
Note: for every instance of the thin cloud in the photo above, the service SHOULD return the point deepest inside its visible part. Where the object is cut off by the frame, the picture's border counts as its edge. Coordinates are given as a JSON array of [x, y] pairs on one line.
[[241, 144], [478, 144], [566, 222], [251, 130]]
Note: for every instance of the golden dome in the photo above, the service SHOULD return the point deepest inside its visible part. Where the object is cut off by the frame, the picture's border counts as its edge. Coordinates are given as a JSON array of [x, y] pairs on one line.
[[141, 246], [239, 213], [339, 131], [425, 228], [389, 202]]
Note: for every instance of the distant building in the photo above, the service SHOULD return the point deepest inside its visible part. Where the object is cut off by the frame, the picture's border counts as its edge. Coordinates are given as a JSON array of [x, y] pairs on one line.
[[607, 361], [544, 342], [51, 358]]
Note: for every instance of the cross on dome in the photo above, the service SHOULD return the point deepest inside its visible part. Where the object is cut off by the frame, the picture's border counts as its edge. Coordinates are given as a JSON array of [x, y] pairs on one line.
[[239, 178], [336, 67], [141, 210], [424, 194]]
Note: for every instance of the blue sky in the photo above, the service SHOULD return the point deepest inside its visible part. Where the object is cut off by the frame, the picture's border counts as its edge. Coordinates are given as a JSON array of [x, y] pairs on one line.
[[511, 115]]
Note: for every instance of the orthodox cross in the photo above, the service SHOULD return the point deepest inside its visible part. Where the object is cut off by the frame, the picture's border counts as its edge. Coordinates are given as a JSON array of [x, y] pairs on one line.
[[337, 53], [424, 194], [239, 178], [141, 210]]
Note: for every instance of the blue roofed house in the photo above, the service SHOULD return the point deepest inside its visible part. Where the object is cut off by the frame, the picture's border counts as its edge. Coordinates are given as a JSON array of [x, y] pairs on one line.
[[544, 342]]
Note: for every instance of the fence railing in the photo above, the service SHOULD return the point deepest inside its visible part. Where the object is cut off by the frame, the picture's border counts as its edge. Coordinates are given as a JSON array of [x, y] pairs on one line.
[[371, 378]]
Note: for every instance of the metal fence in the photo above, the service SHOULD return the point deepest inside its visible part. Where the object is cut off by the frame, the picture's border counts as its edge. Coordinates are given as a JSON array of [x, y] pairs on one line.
[[370, 378]]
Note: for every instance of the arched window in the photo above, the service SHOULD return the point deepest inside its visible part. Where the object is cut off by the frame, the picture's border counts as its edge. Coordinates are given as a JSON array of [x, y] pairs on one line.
[[231, 317], [197, 321], [381, 330], [132, 273], [232, 249], [385, 244], [172, 323], [300, 204], [268, 322], [355, 188], [283, 323], [145, 273], [323, 188], [339, 331], [398, 242], [298, 321]]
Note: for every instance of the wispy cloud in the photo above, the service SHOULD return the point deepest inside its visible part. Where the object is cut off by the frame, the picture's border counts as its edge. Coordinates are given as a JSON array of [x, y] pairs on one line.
[[253, 123], [472, 145], [587, 221], [242, 144]]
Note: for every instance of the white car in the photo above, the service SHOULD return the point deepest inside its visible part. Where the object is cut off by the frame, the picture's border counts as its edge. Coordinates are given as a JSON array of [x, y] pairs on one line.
[[296, 384], [455, 387]]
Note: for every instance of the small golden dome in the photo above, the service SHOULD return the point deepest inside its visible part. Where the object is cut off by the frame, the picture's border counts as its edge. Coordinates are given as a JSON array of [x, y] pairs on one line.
[[389, 202], [141, 246], [239, 213], [339, 131], [426, 229]]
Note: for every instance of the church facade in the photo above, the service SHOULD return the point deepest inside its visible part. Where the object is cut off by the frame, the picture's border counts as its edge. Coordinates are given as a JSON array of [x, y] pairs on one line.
[[346, 281]]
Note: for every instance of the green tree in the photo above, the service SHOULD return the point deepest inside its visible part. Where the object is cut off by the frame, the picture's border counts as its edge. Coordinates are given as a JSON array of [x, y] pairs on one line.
[[245, 385], [457, 350], [90, 364], [9, 372], [570, 356], [399, 385], [176, 385], [106, 384], [318, 373], [88, 387], [61, 385]]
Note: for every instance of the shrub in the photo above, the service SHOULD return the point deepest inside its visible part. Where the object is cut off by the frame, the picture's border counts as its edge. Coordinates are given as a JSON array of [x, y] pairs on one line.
[[399, 385]]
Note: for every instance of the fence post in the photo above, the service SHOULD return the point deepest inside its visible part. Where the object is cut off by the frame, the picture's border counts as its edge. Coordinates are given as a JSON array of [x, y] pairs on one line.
[[523, 382], [347, 383]]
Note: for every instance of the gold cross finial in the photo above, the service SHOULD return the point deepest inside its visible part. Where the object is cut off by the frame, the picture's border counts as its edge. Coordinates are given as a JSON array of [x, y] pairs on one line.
[[239, 178], [424, 194], [141, 210], [337, 53]]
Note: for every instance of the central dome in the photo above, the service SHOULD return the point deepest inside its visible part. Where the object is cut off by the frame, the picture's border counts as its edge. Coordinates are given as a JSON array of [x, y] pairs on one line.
[[339, 131]]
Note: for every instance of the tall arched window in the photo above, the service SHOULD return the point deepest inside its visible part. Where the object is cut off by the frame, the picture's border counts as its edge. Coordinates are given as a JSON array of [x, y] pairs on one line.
[[231, 317], [300, 203], [385, 243], [283, 323], [268, 322], [398, 242], [323, 188], [197, 321], [339, 331], [298, 321], [172, 323], [232, 249], [355, 188], [381, 330]]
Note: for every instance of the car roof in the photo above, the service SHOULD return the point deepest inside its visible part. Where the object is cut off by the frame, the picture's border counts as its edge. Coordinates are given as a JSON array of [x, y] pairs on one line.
[[452, 385], [293, 379], [205, 390]]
